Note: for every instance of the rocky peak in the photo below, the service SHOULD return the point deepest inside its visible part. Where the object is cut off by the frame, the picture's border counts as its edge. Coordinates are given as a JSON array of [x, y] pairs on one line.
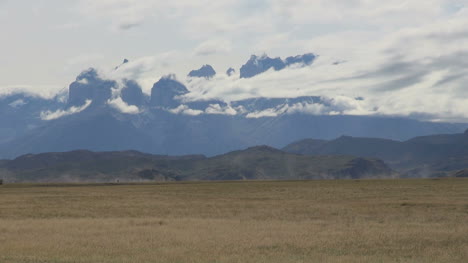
[[125, 61], [164, 91], [230, 72], [259, 64], [87, 75], [305, 59], [206, 71], [132, 93], [89, 86]]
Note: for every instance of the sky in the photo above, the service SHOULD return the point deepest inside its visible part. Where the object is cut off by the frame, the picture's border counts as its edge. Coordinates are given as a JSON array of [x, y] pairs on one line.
[[406, 58]]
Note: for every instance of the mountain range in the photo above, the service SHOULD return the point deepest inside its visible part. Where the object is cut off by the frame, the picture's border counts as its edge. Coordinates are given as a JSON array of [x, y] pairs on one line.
[[424, 156], [100, 114], [443, 155], [255, 163]]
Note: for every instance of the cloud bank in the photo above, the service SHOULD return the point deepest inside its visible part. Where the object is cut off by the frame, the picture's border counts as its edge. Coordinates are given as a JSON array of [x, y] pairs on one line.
[[404, 58], [52, 115]]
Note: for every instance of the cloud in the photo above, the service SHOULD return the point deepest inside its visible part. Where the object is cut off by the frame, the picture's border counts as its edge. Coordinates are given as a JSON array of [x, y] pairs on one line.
[[184, 109], [211, 47], [122, 106], [308, 108], [271, 112], [412, 72], [116, 100], [129, 25], [122, 14], [212, 109], [145, 70], [52, 115], [83, 81], [406, 58], [17, 103], [328, 106], [83, 59], [42, 91], [218, 109], [66, 26]]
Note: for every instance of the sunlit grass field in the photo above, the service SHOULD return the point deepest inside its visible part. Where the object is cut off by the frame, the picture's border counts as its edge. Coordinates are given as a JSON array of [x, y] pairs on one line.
[[300, 221]]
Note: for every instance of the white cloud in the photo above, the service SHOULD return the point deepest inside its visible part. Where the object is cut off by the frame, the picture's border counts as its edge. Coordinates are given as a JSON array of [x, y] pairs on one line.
[[210, 47], [419, 71], [411, 66], [17, 103], [52, 115], [145, 70], [218, 109], [271, 112], [404, 57], [117, 102], [43, 91], [184, 109], [328, 106], [83, 59], [83, 81], [308, 108], [122, 106]]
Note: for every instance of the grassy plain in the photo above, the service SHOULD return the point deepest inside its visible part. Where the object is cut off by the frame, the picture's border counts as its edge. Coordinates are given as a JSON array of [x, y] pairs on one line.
[[300, 221]]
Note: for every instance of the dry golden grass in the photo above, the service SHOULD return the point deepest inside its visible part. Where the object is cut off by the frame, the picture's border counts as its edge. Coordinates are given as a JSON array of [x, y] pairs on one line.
[[309, 221]]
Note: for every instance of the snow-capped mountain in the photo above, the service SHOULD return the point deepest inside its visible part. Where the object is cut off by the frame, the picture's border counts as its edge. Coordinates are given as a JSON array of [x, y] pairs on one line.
[[105, 115]]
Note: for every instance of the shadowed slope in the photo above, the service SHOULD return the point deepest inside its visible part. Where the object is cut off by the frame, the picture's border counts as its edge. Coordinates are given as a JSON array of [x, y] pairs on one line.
[[254, 163]]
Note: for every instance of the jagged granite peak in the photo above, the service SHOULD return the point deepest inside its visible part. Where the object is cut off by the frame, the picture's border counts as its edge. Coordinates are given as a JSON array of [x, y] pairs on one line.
[[132, 94], [87, 75], [89, 86], [259, 64], [125, 61], [164, 91], [206, 71], [230, 72], [305, 59]]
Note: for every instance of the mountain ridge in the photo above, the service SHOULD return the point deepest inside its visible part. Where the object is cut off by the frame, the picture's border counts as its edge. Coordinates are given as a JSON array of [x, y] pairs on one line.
[[254, 163], [103, 115], [440, 153]]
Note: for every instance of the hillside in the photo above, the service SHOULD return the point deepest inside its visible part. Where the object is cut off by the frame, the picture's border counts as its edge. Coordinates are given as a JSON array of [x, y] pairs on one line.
[[254, 163], [263, 162], [420, 156]]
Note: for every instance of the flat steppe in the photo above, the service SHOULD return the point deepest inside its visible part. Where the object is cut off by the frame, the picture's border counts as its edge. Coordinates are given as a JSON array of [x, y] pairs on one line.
[[423, 220]]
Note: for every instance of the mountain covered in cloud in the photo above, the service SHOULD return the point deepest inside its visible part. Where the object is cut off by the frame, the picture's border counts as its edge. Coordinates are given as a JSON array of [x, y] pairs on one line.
[[165, 92], [206, 71], [104, 114], [259, 64], [230, 71], [20, 113]]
